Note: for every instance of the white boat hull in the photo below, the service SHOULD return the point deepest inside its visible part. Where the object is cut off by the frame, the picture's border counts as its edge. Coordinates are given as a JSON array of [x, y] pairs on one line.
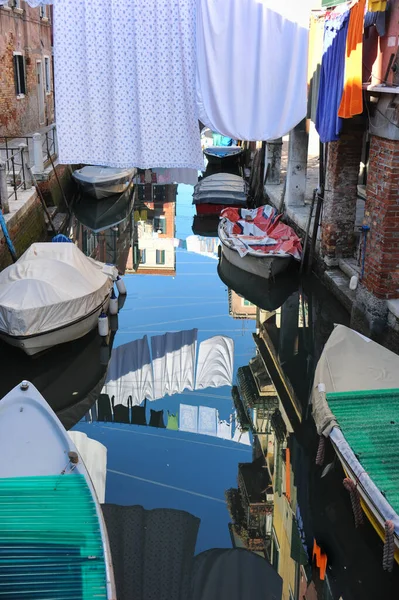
[[34, 344], [38, 445], [266, 267]]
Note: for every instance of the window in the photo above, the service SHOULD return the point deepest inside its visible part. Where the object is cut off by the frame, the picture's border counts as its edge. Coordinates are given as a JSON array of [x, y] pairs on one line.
[[160, 257], [160, 224], [47, 74], [16, 4], [43, 11], [142, 257], [275, 553], [247, 303], [19, 74]]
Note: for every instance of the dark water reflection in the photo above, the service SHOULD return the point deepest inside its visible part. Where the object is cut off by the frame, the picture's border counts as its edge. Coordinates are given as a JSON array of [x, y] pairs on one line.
[[248, 469]]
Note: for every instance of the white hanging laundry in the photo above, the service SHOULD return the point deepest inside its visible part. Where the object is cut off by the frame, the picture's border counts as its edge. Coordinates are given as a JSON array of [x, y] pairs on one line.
[[215, 362], [252, 60], [224, 430], [129, 373], [125, 79], [207, 420], [94, 455], [188, 418], [173, 362]]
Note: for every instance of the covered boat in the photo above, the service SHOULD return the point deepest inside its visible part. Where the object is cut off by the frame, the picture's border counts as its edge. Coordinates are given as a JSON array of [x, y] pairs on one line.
[[355, 403], [51, 295], [98, 215], [212, 194], [257, 242], [53, 539], [225, 159], [101, 182]]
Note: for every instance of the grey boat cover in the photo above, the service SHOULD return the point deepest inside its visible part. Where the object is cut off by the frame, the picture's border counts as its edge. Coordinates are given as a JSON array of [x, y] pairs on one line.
[[234, 574], [220, 185], [153, 559], [350, 362]]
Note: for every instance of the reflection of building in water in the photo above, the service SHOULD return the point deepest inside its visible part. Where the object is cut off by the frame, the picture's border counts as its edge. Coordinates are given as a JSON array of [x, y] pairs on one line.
[[154, 251], [240, 308], [111, 245]]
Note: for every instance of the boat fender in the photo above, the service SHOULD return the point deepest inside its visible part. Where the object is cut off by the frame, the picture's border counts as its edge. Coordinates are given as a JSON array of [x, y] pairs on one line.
[[120, 284], [353, 282], [73, 457], [103, 325], [113, 304]]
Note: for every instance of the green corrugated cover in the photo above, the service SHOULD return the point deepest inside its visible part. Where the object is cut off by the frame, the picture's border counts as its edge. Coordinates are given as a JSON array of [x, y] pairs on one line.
[[370, 423], [50, 539]]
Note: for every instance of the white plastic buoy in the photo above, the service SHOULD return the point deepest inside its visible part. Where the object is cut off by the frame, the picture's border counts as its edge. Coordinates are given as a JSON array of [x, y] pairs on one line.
[[113, 304], [103, 325], [120, 284], [353, 283]]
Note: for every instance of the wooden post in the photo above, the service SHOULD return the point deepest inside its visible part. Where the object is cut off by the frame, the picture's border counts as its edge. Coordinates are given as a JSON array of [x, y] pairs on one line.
[[3, 188]]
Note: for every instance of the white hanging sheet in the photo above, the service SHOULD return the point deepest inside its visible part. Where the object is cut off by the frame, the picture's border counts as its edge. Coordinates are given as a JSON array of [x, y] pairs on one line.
[[188, 418], [125, 79], [224, 430], [94, 456], [252, 66], [207, 420], [173, 362], [215, 362], [129, 373]]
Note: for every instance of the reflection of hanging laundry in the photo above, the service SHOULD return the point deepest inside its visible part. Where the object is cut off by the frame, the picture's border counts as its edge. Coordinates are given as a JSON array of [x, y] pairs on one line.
[[207, 420], [328, 123], [167, 176], [104, 408], [121, 412], [206, 246], [173, 362], [156, 419], [224, 430], [321, 560], [215, 362], [129, 373], [188, 418], [352, 97], [173, 422], [138, 414]]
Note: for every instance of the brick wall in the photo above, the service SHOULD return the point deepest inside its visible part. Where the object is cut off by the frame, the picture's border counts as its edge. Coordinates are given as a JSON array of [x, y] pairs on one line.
[[339, 208], [23, 31], [381, 275], [28, 228]]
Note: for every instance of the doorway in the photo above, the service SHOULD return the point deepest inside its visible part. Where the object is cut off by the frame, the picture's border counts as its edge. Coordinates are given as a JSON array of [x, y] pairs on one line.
[[40, 91]]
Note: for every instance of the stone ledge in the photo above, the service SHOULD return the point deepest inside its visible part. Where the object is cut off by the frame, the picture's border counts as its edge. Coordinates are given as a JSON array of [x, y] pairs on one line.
[[393, 307], [338, 283], [26, 198]]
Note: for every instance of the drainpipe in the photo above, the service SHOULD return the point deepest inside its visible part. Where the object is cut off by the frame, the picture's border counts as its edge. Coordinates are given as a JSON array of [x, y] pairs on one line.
[[365, 230]]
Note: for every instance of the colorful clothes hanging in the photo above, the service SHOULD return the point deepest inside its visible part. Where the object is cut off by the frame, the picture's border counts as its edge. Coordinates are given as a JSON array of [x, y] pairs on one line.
[[316, 32], [328, 123], [352, 97], [377, 5]]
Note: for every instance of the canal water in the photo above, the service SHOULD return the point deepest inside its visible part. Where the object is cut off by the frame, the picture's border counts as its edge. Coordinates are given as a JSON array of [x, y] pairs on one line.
[[203, 375]]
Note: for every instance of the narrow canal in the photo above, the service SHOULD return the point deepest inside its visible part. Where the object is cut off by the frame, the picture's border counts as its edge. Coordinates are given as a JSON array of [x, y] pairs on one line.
[[188, 439]]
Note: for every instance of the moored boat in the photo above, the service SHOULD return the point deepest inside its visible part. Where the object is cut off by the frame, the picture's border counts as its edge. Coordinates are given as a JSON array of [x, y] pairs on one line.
[[53, 539], [101, 182], [224, 158], [355, 402], [257, 242], [53, 294], [214, 193], [98, 215]]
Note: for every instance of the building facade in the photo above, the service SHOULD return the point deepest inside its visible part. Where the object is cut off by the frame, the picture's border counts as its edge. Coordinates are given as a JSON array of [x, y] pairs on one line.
[[26, 68]]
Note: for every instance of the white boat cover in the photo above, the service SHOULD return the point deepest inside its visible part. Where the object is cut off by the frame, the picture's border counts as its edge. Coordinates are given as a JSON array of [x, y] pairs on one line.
[[188, 418], [130, 373], [248, 30], [206, 246], [215, 362], [93, 174], [173, 362], [207, 420], [94, 456], [50, 286], [223, 183], [350, 362]]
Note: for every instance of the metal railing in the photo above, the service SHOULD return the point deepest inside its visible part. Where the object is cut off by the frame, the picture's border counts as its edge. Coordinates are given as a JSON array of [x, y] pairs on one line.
[[20, 157]]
